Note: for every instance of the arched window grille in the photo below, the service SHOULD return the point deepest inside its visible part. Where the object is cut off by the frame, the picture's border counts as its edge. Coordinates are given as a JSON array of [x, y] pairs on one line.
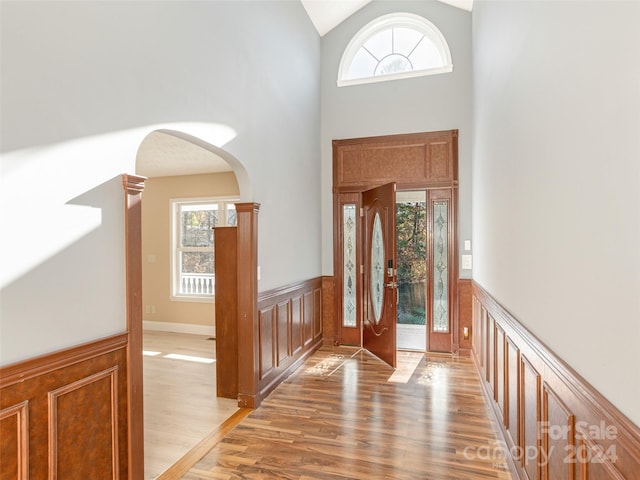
[[399, 45]]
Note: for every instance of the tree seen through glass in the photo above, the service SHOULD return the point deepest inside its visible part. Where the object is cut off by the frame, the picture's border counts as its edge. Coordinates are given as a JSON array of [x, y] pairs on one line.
[[197, 231], [411, 252]]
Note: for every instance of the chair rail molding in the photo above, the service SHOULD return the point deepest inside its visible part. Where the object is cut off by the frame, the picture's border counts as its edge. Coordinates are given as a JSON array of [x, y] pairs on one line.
[[561, 425]]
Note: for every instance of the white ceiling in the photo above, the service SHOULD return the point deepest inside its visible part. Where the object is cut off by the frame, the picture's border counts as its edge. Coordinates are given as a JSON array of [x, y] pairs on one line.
[[164, 155], [327, 14]]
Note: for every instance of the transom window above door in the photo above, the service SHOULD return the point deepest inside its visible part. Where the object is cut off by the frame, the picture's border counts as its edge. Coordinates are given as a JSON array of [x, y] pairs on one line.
[[400, 45]]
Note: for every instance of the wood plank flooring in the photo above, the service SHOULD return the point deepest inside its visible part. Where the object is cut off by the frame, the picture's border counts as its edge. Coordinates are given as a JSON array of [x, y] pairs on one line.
[[340, 417], [180, 403]]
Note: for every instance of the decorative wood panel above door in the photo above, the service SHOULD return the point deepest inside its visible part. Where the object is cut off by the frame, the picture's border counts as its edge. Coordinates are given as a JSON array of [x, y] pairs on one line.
[[419, 159]]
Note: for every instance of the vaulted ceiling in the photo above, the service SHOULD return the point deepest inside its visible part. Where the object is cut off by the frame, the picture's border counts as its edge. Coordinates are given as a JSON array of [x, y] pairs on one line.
[[157, 154], [326, 14]]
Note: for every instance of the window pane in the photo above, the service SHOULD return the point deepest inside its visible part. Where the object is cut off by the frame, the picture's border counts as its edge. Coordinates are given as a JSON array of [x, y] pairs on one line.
[[426, 55], [363, 65], [393, 64], [232, 218], [196, 262], [349, 265], [405, 40], [196, 273], [380, 44], [440, 267], [197, 225]]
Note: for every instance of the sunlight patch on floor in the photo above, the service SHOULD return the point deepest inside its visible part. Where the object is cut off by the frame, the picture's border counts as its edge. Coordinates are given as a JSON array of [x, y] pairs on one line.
[[189, 358], [406, 364], [178, 356]]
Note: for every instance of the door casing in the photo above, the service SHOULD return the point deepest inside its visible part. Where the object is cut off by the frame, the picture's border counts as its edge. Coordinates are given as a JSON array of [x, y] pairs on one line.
[[418, 161]]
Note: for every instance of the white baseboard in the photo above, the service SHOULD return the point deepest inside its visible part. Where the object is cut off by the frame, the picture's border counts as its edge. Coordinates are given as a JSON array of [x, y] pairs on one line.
[[179, 328]]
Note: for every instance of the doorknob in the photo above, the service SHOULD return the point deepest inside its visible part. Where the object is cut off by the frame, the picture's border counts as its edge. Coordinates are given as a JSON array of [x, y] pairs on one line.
[[392, 285]]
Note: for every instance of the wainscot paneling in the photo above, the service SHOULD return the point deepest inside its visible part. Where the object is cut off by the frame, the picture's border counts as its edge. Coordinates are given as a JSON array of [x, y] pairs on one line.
[[14, 456], [64, 415], [559, 448], [290, 326], [530, 419], [329, 327], [499, 392], [465, 313], [555, 425], [512, 381]]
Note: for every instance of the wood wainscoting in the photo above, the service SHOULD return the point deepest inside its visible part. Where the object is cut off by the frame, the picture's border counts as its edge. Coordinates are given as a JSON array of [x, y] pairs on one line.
[[465, 318], [64, 415], [330, 330], [555, 425], [289, 330]]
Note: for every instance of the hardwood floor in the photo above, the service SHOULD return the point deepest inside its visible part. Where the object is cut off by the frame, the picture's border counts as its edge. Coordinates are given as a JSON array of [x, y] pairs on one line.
[[180, 403], [346, 415]]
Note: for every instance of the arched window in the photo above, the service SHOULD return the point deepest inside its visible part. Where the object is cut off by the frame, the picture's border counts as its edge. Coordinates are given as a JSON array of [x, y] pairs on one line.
[[400, 45]]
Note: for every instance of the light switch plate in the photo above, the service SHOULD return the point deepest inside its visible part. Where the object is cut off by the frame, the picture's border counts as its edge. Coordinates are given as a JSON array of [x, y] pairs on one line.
[[467, 245], [467, 262]]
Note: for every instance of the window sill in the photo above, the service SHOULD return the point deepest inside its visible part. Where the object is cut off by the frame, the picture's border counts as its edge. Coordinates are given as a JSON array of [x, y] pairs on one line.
[[395, 76], [193, 298]]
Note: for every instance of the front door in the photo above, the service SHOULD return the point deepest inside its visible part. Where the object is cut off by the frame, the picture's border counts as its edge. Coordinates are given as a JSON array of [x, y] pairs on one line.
[[380, 284]]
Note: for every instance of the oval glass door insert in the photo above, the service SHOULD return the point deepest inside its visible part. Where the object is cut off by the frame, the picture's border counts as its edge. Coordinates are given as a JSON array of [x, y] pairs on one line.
[[377, 268]]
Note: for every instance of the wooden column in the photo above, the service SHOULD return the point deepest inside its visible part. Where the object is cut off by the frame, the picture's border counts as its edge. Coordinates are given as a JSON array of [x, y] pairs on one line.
[[248, 328], [226, 290], [133, 187]]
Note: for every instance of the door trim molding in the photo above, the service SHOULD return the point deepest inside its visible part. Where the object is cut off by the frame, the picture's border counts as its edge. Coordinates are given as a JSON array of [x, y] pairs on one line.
[[414, 161]]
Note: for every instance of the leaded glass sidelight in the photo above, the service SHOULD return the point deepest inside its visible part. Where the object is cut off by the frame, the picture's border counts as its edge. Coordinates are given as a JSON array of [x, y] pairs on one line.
[[377, 268], [440, 266], [349, 265]]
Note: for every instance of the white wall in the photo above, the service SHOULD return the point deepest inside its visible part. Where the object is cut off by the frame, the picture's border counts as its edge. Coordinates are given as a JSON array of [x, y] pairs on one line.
[[556, 175], [423, 104], [82, 84]]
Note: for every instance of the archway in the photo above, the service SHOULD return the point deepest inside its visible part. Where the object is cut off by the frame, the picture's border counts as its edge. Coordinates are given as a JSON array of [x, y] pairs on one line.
[[190, 154], [166, 154]]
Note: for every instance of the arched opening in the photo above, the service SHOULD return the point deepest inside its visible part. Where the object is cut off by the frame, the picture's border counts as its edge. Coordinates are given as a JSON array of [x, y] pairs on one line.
[[180, 402], [178, 152]]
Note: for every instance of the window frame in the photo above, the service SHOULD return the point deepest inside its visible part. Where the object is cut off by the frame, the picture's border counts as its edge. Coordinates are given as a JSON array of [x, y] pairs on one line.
[[386, 22], [175, 206]]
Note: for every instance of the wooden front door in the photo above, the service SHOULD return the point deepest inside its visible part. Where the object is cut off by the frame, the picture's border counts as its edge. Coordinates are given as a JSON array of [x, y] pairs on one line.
[[416, 161], [380, 285]]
